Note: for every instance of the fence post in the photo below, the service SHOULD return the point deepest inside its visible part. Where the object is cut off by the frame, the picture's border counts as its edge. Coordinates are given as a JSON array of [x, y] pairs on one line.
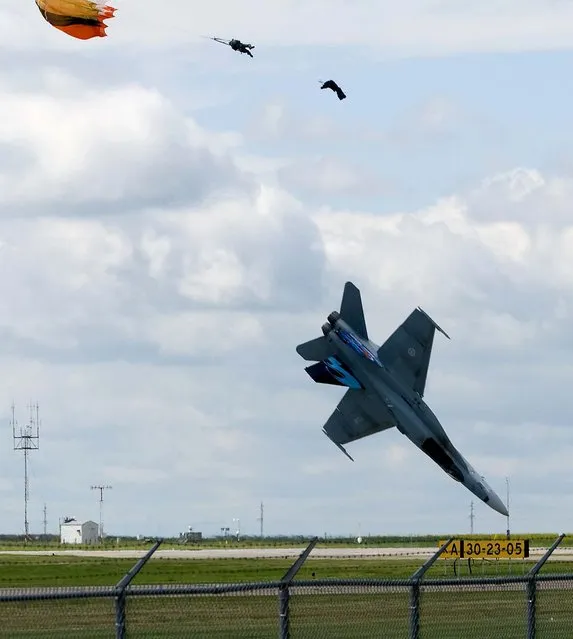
[[284, 593], [532, 587], [121, 587], [415, 592]]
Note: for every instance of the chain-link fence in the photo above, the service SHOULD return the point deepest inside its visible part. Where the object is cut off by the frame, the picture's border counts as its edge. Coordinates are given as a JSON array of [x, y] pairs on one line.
[[529, 606], [334, 609], [349, 609]]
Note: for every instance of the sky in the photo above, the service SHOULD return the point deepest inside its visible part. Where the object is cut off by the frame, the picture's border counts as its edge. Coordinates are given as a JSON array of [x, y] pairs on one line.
[[175, 218]]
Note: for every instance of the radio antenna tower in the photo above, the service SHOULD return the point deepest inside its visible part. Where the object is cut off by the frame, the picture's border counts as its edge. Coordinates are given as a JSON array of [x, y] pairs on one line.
[[101, 489], [45, 520], [260, 518], [472, 518], [26, 438]]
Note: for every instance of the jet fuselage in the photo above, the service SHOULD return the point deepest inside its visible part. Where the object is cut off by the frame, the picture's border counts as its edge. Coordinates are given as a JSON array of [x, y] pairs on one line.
[[412, 416]]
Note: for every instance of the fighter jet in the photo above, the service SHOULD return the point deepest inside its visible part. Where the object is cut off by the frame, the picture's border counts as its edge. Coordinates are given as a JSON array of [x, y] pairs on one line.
[[386, 387]]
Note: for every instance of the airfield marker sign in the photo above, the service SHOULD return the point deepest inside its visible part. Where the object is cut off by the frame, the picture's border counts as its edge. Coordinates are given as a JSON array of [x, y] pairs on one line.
[[486, 549]]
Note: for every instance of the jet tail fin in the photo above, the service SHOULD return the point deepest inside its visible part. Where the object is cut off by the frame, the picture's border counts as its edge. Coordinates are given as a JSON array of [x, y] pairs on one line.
[[351, 310]]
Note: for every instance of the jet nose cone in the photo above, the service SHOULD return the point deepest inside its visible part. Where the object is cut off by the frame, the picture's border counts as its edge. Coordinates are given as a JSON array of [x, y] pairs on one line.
[[495, 502]]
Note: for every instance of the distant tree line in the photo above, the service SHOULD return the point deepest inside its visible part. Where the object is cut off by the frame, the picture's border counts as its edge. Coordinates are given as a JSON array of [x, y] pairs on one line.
[[282, 540]]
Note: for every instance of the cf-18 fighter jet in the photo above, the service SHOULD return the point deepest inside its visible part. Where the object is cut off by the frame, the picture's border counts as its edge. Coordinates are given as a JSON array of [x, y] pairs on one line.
[[385, 387]]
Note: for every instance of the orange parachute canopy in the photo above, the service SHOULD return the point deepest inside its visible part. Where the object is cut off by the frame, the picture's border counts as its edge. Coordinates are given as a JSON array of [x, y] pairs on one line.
[[79, 18]]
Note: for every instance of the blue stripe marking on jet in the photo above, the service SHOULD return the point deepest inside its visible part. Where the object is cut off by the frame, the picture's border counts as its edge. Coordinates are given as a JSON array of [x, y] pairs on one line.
[[358, 346], [341, 374]]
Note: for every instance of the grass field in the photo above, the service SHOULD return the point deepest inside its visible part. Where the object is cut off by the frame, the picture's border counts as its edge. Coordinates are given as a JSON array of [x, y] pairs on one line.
[[28, 571], [444, 615], [23, 571], [448, 614]]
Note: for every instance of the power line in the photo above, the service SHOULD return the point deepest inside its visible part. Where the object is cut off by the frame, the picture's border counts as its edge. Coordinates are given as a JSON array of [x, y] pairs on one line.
[[26, 438]]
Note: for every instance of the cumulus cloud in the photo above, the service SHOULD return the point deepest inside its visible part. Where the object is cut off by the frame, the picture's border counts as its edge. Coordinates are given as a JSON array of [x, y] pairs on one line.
[[527, 196], [83, 151], [174, 224]]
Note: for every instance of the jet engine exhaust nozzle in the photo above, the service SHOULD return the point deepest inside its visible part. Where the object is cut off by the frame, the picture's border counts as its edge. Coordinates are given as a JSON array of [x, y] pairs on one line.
[[333, 317]]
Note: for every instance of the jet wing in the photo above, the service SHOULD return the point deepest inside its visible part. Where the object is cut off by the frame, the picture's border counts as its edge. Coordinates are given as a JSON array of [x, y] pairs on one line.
[[408, 350], [353, 419]]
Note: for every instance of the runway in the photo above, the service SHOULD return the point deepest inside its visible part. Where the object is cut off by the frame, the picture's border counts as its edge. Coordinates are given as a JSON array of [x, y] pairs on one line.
[[560, 554]]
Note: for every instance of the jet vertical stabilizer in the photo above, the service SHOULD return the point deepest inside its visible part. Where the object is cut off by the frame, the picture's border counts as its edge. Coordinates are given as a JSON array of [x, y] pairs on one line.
[[351, 310]]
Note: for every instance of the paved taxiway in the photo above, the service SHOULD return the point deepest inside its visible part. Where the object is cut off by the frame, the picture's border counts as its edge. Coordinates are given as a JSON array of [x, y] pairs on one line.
[[563, 554]]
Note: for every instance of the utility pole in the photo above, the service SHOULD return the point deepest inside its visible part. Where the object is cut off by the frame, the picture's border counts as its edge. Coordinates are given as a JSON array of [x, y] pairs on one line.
[[236, 519], [472, 518], [260, 519], [507, 499], [45, 521], [101, 489], [26, 438]]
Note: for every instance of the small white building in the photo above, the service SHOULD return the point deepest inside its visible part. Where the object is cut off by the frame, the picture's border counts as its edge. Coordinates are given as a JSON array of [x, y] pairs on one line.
[[79, 532]]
